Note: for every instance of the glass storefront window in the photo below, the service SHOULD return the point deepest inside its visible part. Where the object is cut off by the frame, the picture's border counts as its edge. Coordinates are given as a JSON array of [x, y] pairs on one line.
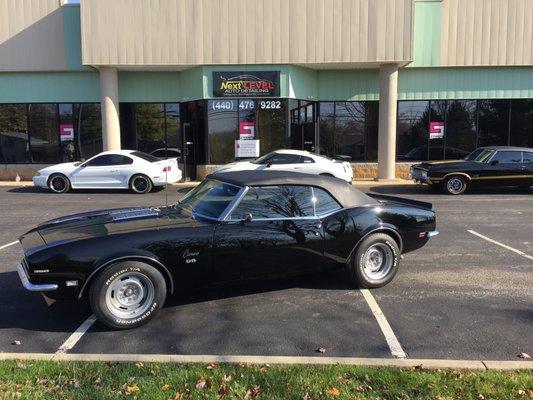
[[460, 132], [493, 123], [222, 121], [172, 125], [150, 126], [271, 126], [88, 123], [44, 133], [14, 144], [522, 123], [412, 130]]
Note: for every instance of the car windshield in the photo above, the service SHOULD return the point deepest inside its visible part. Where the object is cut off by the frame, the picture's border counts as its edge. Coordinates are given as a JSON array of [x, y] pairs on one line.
[[209, 199], [145, 156], [263, 159], [479, 155]]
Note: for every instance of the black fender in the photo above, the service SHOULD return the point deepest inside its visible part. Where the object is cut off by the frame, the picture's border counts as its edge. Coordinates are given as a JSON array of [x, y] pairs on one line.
[[382, 228], [152, 260]]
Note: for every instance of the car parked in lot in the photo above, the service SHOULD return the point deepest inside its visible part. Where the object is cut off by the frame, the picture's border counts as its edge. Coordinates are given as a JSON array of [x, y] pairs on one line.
[[494, 166], [119, 169], [233, 227], [295, 161]]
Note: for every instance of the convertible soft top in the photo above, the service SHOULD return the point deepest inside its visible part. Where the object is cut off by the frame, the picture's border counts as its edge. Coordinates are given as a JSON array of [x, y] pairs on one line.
[[346, 194]]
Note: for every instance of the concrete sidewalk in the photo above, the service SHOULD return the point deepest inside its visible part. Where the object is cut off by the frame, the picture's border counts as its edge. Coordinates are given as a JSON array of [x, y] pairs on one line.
[[367, 183]]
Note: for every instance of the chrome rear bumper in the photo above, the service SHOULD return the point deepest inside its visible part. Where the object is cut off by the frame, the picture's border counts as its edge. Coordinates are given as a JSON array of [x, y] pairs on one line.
[[43, 287]]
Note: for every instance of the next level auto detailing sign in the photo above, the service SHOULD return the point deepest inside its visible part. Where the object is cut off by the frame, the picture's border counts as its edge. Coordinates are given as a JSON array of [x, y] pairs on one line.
[[246, 84]]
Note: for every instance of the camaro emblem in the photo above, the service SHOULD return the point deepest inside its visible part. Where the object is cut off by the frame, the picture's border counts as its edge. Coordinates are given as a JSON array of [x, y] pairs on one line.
[[189, 256]]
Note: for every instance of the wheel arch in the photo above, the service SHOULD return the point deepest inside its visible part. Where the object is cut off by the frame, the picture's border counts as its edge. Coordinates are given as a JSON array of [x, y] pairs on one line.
[[389, 230], [146, 259], [457, 173]]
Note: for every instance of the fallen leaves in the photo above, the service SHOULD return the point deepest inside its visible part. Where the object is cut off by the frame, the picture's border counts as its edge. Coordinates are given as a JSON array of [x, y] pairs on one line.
[[525, 356], [334, 392], [165, 387], [16, 343], [321, 350], [201, 383], [223, 390], [252, 393], [307, 397], [131, 389]]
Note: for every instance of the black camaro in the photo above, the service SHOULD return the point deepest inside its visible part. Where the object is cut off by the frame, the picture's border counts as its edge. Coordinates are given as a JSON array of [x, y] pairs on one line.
[[486, 166], [233, 227]]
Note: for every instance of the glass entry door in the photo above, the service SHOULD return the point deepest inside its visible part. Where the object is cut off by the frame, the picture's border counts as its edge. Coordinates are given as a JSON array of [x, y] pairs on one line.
[[303, 125]]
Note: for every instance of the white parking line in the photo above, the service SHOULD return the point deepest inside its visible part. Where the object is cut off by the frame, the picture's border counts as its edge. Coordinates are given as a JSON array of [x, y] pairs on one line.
[[501, 244], [76, 336], [394, 345], [5, 246]]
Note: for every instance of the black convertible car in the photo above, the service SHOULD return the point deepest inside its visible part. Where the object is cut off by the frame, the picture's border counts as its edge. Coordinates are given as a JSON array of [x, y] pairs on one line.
[[486, 166], [233, 227]]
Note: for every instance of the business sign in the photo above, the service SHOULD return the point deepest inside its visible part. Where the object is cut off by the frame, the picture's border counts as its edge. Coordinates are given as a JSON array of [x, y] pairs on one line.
[[246, 84], [436, 130], [66, 132], [246, 130], [246, 148]]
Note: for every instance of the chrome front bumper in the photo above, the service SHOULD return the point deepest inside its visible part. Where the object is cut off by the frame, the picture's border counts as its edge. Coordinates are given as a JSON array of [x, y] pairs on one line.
[[43, 287]]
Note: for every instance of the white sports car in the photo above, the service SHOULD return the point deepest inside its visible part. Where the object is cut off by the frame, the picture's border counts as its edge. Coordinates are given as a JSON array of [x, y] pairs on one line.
[[296, 161], [120, 169]]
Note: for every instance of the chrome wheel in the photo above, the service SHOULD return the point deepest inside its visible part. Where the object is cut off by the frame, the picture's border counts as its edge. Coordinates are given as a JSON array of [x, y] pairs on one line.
[[455, 185], [58, 184], [378, 261], [141, 184], [129, 295]]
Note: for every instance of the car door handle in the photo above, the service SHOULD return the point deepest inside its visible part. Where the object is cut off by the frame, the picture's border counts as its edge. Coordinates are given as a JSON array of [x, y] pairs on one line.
[[113, 170]]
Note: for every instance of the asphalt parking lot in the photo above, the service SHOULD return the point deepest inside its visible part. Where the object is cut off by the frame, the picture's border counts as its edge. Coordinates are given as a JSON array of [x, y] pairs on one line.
[[463, 296]]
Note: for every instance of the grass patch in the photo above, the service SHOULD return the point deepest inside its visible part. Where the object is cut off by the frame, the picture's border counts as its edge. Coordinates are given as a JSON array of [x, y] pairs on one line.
[[76, 380]]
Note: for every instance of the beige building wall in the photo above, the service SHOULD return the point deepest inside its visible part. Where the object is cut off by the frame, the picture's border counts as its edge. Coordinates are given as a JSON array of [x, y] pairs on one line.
[[487, 32], [31, 35], [192, 32]]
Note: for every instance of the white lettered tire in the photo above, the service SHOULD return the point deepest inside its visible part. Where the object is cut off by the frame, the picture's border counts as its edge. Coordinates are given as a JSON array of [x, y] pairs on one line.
[[127, 294], [375, 262]]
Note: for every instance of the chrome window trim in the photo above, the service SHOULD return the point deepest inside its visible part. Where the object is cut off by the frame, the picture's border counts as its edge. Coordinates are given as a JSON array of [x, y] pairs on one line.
[[231, 206]]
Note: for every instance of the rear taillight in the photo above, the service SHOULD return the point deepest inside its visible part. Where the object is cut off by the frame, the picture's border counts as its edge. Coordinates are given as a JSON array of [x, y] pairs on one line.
[[167, 168]]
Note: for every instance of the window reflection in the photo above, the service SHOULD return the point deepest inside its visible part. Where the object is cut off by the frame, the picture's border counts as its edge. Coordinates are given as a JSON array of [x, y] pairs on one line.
[[14, 144], [44, 133]]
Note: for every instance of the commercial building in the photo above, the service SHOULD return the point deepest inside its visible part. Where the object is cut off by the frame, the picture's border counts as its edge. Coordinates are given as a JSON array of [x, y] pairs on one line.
[[380, 82]]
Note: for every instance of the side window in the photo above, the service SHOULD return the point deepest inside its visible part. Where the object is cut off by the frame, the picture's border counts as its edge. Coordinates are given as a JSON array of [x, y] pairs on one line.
[[284, 159], [126, 160], [527, 157], [276, 202], [324, 202], [307, 160], [99, 161], [507, 157]]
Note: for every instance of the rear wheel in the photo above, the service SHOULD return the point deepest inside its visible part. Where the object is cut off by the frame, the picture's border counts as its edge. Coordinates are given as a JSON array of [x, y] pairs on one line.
[[140, 184], [375, 262], [59, 183], [127, 294], [455, 184]]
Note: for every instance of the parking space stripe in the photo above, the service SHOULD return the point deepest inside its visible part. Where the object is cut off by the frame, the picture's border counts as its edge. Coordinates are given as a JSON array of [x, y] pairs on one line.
[[5, 246], [500, 244], [76, 336], [394, 345]]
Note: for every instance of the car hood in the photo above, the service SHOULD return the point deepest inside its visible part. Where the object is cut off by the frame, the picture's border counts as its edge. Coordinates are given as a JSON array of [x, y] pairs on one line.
[[105, 222], [63, 167], [444, 165], [238, 166]]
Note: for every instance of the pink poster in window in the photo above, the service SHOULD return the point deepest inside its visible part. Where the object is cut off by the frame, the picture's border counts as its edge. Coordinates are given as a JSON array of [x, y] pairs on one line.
[[436, 130], [247, 130], [66, 132]]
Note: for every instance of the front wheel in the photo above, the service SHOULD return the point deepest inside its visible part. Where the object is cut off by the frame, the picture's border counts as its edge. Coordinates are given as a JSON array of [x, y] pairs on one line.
[[127, 294], [140, 184], [376, 261], [455, 185], [59, 183]]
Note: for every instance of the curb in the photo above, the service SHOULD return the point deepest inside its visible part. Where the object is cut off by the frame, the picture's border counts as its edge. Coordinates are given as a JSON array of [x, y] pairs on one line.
[[280, 360]]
